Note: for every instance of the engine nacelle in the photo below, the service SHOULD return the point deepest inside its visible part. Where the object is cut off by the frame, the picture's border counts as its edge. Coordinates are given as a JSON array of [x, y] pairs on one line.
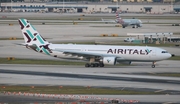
[[109, 60]]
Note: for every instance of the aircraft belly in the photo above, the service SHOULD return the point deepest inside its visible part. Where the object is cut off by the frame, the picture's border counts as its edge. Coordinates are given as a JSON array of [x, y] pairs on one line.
[[65, 56], [135, 58]]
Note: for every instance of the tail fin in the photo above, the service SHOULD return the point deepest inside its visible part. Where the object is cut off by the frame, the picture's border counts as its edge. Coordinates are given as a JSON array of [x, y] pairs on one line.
[[117, 15], [31, 36], [102, 19], [33, 39], [118, 18]]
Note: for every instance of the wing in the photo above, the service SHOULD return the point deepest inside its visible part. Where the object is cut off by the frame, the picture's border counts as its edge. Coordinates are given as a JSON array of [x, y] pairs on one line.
[[85, 53], [108, 20]]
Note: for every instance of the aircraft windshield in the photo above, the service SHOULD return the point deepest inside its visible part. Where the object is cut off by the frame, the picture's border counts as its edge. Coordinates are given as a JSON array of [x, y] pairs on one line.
[[164, 52]]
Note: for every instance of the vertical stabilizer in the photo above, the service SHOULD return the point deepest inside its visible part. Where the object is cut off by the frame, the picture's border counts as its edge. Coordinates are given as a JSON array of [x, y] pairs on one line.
[[30, 34], [118, 18], [32, 38]]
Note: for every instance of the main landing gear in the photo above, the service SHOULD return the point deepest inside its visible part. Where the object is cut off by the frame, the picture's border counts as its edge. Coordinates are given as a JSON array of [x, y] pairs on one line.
[[135, 26], [94, 65], [153, 64]]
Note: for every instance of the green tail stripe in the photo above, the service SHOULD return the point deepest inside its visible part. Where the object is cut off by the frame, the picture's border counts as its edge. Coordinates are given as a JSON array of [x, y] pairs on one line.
[[37, 49], [33, 27], [24, 22], [148, 50], [40, 39], [45, 51], [30, 34]]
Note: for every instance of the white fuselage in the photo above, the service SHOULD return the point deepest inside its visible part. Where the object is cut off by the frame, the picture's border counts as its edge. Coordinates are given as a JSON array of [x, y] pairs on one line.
[[131, 53], [136, 22]]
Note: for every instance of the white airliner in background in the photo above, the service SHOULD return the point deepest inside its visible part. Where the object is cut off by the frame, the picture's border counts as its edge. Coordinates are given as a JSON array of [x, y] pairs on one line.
[[97, 55], [135, 23]]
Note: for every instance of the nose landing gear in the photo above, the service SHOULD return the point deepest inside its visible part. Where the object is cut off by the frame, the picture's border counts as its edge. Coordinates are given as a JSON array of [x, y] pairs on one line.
[[153, 64]]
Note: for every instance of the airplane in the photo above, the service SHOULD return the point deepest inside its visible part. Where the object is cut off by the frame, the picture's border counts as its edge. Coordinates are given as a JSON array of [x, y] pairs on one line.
[[97, 55], [135, 23]]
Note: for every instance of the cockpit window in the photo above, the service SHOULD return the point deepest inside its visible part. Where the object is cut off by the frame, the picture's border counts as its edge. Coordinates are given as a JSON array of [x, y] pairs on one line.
[[164, 52]]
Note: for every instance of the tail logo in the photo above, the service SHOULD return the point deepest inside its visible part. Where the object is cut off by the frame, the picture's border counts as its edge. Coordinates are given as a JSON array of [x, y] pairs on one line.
[[33, 39], [118, 18]]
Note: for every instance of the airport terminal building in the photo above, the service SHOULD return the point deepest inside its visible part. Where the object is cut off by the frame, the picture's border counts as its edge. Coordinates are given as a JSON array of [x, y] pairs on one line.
[[90, 7]]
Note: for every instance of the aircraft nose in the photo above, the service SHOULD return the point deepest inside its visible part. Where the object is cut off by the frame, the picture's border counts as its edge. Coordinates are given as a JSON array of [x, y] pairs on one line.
[[169, 55], [140, 25]]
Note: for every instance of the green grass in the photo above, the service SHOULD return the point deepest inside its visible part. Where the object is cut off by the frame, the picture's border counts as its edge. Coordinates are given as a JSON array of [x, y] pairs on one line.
[[95, 18], [73, 90], [38, 62], [174, 58], [167, 74], [50, 62], [11, 38]]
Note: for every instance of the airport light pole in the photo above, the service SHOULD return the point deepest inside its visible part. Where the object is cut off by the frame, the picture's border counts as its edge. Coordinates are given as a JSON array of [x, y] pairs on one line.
[[171, 6], [11, 5], [63, 6]]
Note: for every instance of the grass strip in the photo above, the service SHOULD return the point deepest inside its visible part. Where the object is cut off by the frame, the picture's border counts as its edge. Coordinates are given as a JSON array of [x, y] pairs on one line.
[[167, 74], [93, 18], [74, 90], [38, 62], [51, 62], [174, 58], [11, 38]]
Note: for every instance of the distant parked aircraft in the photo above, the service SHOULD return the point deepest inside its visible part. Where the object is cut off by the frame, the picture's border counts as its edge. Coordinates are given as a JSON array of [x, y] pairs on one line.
[[97, 55], [135, 23]]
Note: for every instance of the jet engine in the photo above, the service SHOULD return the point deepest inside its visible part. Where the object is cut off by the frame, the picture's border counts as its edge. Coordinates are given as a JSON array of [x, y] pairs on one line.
[[109, 60]]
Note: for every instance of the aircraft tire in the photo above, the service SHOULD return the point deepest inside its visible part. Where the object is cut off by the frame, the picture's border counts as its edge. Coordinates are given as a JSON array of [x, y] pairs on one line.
[[92, 64], [96, 65], [153, 66], [101, 64], [87, 65]]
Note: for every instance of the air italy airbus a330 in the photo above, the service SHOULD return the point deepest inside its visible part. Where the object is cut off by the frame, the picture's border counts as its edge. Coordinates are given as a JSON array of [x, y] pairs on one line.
[[97, 55]]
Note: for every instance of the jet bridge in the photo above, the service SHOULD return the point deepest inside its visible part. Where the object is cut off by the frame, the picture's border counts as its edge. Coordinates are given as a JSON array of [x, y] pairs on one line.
[[151, 37]]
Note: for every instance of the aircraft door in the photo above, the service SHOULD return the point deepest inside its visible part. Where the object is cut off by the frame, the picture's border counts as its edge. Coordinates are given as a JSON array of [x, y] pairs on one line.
[[152, 55], [154, 52]]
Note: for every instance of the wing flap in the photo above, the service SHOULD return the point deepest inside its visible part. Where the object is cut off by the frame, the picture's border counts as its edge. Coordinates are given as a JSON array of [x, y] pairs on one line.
[[84, 53]]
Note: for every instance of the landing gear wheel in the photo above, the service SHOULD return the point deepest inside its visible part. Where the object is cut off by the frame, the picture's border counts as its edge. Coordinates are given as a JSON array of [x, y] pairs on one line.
[[92, 65], [101, 64], [96, 65], [153, 66], [87, 65]]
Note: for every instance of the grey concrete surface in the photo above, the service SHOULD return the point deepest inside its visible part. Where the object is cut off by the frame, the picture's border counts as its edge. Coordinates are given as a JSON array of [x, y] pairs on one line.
[[72, 31], [86, 32], [63, 34], [34, 79]]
